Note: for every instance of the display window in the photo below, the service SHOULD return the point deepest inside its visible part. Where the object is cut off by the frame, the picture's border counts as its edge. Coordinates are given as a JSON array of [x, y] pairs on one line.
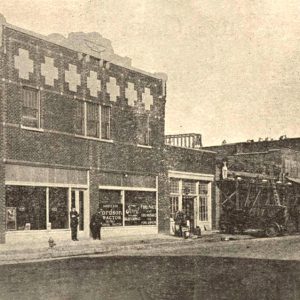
[[140, 208], [58, 208], [127, 208], [112, 208], [30, 208], [25, 208]]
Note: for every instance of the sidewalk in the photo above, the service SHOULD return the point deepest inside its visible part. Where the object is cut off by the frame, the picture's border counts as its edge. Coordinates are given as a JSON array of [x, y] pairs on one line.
[[214, 244], [30, 251]]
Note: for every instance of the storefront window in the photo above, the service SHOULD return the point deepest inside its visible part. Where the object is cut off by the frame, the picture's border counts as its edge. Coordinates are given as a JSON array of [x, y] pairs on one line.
[[203, 208], [140, 208], [25, 208], [110, 203], [58, 208]]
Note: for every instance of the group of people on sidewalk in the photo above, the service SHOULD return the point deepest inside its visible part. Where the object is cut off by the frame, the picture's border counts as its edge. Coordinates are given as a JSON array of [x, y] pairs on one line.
[[95, 224]]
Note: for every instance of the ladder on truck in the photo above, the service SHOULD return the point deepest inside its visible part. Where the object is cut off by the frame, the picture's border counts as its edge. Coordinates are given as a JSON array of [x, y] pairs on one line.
[[275, 192]]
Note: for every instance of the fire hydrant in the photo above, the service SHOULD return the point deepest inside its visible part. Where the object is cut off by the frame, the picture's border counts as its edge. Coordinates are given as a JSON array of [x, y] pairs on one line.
[[51, 242]]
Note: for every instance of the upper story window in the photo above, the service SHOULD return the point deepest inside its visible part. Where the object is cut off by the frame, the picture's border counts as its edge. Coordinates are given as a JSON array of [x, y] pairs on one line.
[[79, 118], [144, 131], [30, 107], [105, 122], [92, 124]]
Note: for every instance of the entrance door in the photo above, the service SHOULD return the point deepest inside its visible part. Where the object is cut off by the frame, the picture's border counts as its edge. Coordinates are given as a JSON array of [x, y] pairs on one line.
[[188, 209], [77, 201]]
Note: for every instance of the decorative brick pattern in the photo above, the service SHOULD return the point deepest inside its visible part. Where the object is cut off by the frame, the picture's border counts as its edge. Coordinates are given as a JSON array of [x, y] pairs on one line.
[[72, 78], [113, 89], [147, 99], [23, 64], [49, 71], [131, 94], [93, 84]]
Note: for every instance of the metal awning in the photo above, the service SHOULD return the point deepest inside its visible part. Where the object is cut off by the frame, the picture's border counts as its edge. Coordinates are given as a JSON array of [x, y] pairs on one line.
[[293, 179], [250, 175]]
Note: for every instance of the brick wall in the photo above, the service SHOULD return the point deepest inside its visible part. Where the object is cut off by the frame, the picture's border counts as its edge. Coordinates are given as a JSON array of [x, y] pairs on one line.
[[57, 143], [190, 160]]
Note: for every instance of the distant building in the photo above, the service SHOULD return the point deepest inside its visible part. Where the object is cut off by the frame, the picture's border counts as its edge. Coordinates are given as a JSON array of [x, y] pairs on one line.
[[186, 140]]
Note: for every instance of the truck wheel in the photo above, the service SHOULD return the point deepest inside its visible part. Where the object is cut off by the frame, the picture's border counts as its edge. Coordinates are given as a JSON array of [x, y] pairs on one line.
[[271, 231]]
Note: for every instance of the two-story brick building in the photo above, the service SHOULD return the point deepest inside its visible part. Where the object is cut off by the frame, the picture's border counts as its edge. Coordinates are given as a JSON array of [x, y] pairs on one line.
[[80, 127]]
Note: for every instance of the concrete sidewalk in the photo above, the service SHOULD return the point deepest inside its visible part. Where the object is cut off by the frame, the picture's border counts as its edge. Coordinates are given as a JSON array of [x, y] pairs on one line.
[[40, 250], [30, 251]]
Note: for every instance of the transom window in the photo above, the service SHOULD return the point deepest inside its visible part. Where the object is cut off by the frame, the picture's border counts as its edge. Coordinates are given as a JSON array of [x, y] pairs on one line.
[[189, 187], [30, 107], [174, 186]]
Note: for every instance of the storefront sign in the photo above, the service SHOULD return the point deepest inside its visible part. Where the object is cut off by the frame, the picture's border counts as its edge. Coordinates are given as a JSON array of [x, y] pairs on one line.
[[132, 214], [148, 214], [112, 214], [140, 214]]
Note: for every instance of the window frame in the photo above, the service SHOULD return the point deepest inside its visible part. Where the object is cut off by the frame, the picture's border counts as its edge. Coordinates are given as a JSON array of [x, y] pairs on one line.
[[97, 120], [144, 132], [83, 132], [108, 107], [38, 98]]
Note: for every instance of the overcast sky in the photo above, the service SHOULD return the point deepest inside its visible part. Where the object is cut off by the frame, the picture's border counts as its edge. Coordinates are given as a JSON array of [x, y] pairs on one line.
[[233, 65]]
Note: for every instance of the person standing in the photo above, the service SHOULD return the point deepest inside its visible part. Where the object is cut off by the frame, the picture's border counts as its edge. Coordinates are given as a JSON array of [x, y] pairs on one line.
[[93, 226], [99, 221], [74, 216]]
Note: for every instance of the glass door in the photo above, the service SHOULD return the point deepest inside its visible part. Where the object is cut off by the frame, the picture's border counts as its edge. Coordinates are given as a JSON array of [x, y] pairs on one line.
[[77, 201]]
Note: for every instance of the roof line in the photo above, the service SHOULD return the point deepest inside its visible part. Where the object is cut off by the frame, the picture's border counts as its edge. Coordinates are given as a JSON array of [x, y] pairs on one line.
[[45, 38]]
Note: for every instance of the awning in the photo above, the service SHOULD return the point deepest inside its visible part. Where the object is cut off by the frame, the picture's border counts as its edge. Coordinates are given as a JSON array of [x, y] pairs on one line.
[[293, 179], [249, 175]]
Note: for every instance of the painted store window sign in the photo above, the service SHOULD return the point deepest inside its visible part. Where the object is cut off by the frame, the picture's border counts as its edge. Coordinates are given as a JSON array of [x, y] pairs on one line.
[[139, 208], [112, 214]]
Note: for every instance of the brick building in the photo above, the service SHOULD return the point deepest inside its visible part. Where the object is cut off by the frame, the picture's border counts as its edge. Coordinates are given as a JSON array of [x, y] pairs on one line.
[[80, 127]]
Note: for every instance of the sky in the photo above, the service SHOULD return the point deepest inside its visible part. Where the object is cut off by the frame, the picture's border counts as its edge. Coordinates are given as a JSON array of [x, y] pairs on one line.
[[233, 66]]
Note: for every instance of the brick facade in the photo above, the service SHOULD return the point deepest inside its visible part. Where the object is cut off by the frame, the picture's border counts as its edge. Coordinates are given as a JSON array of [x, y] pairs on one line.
[[134, 155], [55, 143]]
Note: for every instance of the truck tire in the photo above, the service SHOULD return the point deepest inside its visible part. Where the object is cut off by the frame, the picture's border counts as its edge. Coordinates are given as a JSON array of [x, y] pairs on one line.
[[272, 230]]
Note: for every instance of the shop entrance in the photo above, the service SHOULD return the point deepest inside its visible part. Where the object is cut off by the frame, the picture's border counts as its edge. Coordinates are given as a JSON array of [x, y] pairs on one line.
[[77, 201], [188, 209]]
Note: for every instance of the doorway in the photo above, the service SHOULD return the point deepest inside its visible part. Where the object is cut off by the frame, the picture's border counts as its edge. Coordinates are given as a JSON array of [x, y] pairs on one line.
[[188, 209], [77, 201]]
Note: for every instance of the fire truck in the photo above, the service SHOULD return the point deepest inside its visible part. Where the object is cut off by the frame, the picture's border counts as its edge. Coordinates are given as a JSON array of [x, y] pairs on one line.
[[255, 202]]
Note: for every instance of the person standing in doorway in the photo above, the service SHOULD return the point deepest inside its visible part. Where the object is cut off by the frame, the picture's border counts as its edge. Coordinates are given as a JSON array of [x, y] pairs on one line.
[[74, 216]]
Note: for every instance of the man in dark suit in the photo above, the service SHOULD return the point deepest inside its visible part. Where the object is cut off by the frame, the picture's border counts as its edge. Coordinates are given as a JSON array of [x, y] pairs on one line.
[[74, 216]]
